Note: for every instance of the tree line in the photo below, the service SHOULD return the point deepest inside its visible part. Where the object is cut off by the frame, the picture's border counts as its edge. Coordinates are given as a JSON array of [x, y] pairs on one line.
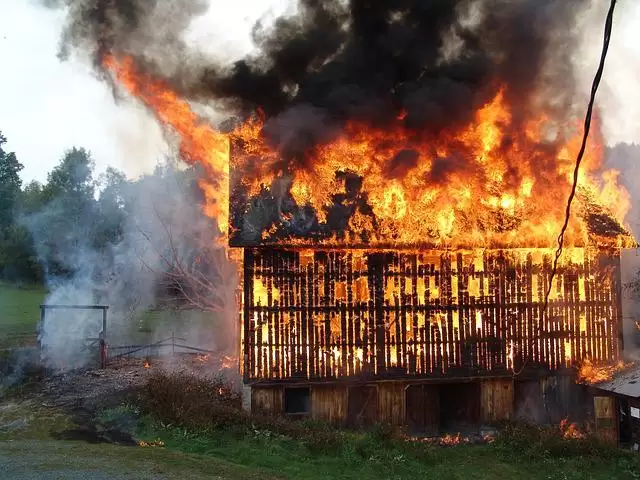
[[121, 241], [42, 223]]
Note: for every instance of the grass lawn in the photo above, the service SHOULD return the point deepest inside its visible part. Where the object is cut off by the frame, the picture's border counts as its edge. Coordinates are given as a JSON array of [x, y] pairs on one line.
[[229, 454], [19, 314], [362, 457]]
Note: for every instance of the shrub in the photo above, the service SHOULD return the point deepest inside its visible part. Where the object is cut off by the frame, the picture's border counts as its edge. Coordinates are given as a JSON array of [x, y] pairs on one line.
[[191, 401], [531, 441], [201, 403]]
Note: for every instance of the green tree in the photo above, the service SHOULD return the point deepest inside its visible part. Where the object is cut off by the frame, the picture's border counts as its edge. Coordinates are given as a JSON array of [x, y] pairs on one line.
[[111, 208], [72, 179], [63, 229], [10, 184], [17, 256], [32, 199]]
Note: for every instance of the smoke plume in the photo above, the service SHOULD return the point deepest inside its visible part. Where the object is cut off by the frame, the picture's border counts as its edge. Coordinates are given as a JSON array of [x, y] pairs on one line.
[[164, 250], [433, 63]]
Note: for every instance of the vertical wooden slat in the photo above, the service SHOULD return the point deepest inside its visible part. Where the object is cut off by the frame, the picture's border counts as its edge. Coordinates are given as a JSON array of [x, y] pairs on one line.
[[302, 298], [617, 307], [249, 331], [349, 349]]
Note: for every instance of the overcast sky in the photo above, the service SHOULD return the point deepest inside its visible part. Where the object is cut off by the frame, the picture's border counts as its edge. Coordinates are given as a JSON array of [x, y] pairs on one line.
[[47, 106]]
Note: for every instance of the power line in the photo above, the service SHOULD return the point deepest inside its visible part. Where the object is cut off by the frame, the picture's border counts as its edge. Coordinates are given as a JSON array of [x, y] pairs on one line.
[[608, 27]]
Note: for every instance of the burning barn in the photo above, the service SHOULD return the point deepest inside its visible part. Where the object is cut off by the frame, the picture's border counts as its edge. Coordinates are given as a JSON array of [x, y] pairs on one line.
[[396, 202], [389, 324]]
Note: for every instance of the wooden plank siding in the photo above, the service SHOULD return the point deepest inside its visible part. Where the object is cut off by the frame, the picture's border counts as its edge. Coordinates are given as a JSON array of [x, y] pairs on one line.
[[329, 403], [496, 400], [326, 315], [391, 403], [267, 400]]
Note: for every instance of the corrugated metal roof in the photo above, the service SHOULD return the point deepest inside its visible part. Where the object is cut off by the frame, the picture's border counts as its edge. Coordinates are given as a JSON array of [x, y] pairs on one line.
[[626, 382]]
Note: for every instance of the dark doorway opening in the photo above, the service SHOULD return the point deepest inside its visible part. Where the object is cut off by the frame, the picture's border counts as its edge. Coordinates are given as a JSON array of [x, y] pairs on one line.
[[624, 421], [459, 406], [297, 401]]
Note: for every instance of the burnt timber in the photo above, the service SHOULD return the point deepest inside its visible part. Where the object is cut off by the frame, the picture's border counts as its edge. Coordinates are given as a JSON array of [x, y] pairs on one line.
[[357, 316]]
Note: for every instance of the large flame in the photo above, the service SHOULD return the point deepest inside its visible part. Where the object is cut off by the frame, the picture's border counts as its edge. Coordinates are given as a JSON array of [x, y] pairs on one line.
[[493, 182], [199, 142]]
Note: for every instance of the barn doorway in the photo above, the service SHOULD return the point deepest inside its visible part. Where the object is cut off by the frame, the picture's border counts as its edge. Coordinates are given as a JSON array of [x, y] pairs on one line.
[[459, 407]]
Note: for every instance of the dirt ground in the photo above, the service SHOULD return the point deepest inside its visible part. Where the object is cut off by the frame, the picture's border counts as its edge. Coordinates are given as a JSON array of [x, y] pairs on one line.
[[48, 431]]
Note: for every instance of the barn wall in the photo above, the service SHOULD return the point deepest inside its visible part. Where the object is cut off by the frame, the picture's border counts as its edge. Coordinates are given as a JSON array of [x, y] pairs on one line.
[[267, 400], [496, 400], [391, 403], [329, 403], [430, 407], [549, 400]]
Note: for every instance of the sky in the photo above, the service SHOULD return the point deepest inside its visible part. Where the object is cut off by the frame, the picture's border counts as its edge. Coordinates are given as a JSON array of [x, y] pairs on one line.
[[48, 106]]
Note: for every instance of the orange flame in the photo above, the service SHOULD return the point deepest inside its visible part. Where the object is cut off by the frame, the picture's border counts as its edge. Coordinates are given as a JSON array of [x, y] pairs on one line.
[[229, 362], [511, 191], [570, 430], [199, 142], [592, 373], [147, 364], [451, 440]]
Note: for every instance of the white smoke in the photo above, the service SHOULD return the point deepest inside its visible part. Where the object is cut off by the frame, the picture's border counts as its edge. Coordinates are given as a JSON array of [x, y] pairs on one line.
[[164, 226], [618, 101], [618, 97]]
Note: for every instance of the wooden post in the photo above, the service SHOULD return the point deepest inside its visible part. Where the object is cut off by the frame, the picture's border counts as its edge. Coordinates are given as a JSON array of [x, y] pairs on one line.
[[104, 322], [103, 353]]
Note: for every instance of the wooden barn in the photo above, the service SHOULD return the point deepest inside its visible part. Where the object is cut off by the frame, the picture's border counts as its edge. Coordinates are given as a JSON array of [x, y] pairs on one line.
[[358, 328], [431, 340]]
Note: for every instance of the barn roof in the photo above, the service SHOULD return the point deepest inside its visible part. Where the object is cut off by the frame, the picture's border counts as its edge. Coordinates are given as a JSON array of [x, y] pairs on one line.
[[626, 382]]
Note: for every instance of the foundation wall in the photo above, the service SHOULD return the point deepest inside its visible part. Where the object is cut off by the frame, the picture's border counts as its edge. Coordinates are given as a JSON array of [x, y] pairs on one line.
[[429, 408]]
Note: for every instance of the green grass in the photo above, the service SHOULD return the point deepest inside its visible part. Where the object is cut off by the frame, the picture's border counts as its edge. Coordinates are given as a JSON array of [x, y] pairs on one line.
[[364, 456], [19, 314], [194, 415], [256, 453]]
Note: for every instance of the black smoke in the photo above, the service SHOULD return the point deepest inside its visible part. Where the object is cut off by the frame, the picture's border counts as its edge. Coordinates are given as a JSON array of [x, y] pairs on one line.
[[424, 65], [432, 61]]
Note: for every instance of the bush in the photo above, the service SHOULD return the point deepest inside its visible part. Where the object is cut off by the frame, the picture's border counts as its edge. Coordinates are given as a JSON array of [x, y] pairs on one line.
[[191, 401], [531, 441], [201, 404]]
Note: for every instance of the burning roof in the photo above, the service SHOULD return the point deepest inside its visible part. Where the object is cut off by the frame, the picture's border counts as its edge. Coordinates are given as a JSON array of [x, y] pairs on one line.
[[620, 378]]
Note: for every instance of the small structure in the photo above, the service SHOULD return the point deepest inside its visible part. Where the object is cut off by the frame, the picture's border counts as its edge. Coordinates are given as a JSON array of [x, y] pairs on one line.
[[617, 407]]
